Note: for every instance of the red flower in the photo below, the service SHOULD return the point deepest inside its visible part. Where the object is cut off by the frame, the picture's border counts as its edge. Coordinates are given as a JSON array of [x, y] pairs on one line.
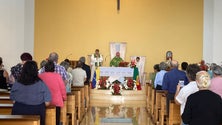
[[116, 89], [133, 64], [130, 83], [102, 83]]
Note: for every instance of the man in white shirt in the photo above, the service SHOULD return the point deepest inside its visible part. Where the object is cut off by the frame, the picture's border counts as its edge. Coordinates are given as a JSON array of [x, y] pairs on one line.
[[79, 75], [96, 61], [182, 94]]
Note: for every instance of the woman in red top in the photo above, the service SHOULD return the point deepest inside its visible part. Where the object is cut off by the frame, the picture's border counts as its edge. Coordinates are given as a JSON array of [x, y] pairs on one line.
[[56, 86]]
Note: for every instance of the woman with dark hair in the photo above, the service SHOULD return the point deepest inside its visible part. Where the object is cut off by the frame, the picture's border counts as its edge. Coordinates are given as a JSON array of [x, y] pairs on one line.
[[17, 69], [56, 86], [29, 93]]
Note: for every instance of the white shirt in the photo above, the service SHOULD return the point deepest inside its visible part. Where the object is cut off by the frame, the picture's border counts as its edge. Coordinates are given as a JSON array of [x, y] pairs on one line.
[[95, 61], [184, 93], [79, 76]]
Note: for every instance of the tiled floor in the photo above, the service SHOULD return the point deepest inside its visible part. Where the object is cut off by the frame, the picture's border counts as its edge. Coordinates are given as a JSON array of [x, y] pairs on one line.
[[116, 115]]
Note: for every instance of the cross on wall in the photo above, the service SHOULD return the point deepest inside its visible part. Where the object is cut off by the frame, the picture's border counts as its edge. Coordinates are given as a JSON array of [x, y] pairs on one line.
[[118, 5]]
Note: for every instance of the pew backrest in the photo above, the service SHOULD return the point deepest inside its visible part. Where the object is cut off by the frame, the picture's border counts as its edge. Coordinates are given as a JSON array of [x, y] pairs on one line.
[[6, 109], [71, 107], [19, 120], [174, 113]]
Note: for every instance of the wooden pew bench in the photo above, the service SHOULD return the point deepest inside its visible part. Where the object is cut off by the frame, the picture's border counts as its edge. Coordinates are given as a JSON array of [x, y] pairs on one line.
[[78, 105], [4, 93], [152, 102], [5, 100], [163, 118], [50, 116], [63, 113], [174, 113], [149, 90], [71, 108], [86, 87], [157, 106], [19, 120], [82, 90], [6, 109]]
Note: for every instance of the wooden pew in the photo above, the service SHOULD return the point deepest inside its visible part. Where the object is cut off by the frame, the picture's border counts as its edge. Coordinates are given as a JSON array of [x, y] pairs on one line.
[[163, 118], [149, 90], [6, 109], [71, 107], [157, 106], [19, 120], [63, 113], [82, 90], [152, 101], [5, 100], [174, 113], [86, 87], [4, 93], [50, 116], [78, 107]]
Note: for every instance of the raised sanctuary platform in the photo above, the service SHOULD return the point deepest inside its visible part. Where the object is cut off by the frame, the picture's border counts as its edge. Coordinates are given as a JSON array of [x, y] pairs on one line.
[[100, 97]]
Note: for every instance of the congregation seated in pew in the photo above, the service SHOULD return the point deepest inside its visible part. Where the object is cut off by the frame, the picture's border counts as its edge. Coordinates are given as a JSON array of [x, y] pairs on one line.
[[30, 94]]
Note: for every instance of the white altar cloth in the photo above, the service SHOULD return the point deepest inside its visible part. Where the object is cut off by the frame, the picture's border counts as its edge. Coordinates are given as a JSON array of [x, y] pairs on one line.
[[116, 71]]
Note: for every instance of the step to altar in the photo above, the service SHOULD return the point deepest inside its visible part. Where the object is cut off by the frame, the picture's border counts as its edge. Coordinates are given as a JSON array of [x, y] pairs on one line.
[[100, 97]]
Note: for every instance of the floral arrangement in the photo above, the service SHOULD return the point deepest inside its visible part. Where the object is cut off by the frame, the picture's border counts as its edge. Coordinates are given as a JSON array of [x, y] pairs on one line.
[[130, 84], [132, 64], [103, 83], [116, 88]]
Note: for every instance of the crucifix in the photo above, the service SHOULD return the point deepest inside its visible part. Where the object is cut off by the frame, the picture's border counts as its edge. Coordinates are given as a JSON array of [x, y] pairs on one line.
[[118, 5]]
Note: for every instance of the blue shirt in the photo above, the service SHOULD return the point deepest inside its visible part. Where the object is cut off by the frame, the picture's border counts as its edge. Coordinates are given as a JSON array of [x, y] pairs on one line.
[[34, 94], [159, 78], [171, 79]]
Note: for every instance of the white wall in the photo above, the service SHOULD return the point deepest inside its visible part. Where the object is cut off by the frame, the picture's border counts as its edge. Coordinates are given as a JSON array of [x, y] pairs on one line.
[[217, 36], [212, 31], [16, 30], [208, 31]]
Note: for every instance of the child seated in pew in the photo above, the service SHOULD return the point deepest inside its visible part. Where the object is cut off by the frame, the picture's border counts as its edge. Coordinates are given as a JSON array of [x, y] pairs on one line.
[[29, 93], [56, 86]]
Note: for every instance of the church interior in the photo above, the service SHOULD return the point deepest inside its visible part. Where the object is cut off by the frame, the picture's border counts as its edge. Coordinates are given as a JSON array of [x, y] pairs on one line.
[[153, 30]]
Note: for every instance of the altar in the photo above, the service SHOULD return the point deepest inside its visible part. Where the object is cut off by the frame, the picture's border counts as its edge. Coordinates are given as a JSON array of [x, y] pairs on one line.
[[129, 94], [116, 73]]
